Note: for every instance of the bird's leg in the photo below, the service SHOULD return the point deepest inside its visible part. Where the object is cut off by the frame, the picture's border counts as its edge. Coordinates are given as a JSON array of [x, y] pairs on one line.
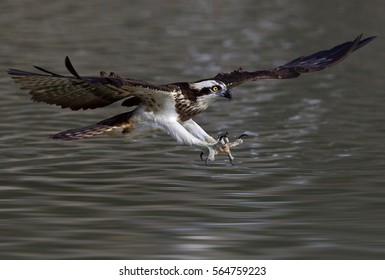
[[223, 145]]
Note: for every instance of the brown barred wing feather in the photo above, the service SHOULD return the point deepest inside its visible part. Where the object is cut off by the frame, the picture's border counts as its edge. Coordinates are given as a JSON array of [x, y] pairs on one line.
[[76, 92]]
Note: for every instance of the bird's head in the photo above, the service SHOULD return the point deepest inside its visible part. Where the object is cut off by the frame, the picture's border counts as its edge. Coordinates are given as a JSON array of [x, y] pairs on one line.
[[197, 96], [207, 91]]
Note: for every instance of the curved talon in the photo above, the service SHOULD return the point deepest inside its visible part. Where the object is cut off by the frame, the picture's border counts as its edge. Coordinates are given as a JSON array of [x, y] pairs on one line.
[[231, 161], [243, 135], [205, 160], [222, 135], [201, 155]]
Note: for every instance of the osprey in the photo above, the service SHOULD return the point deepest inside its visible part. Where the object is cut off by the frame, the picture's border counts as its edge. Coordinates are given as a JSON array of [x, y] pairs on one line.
[[169, 107]]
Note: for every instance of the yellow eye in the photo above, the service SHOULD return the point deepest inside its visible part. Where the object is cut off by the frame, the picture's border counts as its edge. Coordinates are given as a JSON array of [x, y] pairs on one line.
[[215, 88]]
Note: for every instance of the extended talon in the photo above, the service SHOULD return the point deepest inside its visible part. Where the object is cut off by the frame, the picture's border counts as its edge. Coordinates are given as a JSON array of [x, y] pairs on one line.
[[205, 160], [243, 135], [201, 155], [223, 145], [223, 136], [231, 158]]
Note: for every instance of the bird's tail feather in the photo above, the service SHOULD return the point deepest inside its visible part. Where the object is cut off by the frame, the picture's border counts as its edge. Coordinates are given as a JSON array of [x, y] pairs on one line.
[[121, 121], [81, 133]]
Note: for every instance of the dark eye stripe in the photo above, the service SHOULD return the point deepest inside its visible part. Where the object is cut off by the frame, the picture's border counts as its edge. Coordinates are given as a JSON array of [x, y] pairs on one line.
[[208, 90], [205, 90]]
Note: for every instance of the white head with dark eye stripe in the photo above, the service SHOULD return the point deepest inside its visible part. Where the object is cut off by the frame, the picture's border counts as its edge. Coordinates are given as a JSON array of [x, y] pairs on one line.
[[207, 91]]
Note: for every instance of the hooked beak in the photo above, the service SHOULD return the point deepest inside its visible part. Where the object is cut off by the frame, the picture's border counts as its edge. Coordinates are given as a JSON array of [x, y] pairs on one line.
[[227, 94]]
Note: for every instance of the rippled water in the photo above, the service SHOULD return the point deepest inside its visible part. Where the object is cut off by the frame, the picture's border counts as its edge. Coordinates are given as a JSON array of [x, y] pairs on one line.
[[309, 182]]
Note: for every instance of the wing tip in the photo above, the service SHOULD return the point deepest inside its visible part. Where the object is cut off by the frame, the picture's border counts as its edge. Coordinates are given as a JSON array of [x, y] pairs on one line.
[[363, 42], [16, 72]]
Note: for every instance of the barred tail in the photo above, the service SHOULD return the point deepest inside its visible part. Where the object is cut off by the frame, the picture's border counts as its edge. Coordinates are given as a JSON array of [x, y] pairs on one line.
[[121, 121], [81, 133]]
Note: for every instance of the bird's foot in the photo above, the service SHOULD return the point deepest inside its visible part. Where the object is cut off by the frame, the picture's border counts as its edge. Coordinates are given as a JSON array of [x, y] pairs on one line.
[[223, 145]]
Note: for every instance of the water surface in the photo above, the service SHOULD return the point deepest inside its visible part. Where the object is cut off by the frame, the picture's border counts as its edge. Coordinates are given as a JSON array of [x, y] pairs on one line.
[[308, 183]]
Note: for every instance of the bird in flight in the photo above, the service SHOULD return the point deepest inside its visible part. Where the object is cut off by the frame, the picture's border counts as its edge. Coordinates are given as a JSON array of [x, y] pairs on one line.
[[168, 107]]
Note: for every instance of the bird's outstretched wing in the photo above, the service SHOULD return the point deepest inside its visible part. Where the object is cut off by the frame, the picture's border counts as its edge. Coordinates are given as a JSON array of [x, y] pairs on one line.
[[76, 92], [304, 64], [89, 92]]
